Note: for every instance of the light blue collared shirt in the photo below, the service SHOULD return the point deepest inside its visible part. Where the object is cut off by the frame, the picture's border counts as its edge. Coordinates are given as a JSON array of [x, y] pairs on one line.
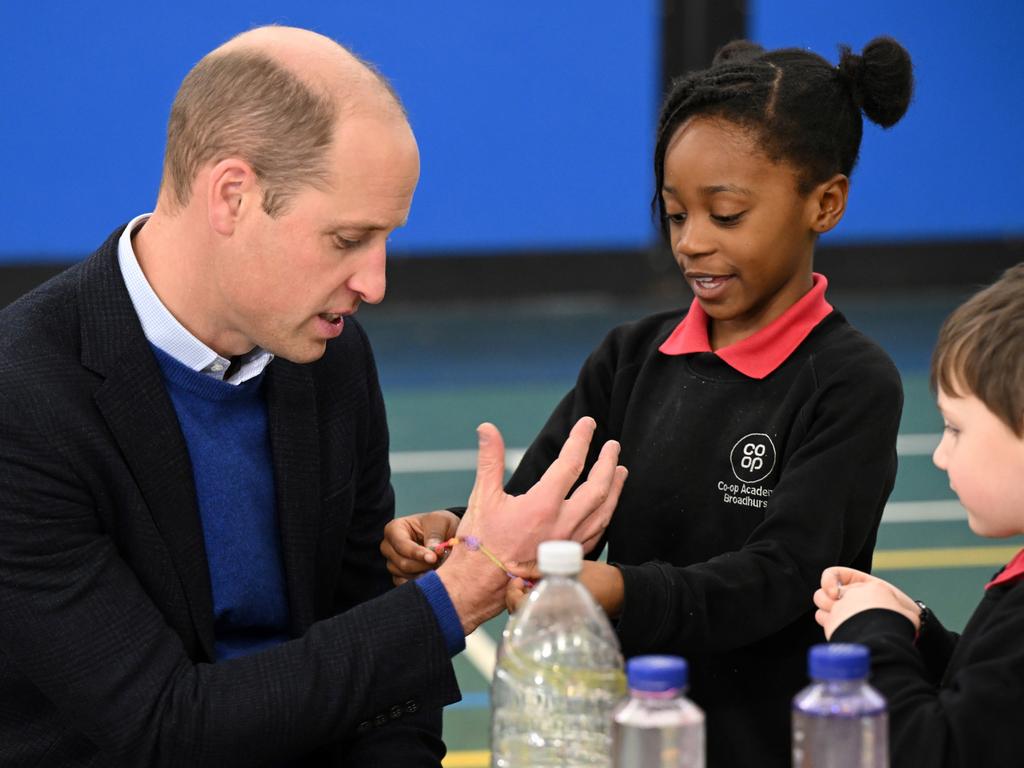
[[163, 330]]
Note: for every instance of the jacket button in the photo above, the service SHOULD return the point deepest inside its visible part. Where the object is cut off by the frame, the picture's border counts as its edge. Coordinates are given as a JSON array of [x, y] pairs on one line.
[[411, 706], [363, 727], [395, 712], [380, 720]]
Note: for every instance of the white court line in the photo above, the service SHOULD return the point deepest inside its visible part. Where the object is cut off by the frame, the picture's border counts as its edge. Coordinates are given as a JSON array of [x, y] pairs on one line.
[[481, 652], [923, 511], [917, 445], [413, 462]]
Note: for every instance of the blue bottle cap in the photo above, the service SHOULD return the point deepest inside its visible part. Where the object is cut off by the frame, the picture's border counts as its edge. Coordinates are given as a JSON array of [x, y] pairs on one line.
[[657, 673], [840, 661]]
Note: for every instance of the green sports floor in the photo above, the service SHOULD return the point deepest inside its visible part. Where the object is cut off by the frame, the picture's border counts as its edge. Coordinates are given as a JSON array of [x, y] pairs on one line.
[[446, 370]]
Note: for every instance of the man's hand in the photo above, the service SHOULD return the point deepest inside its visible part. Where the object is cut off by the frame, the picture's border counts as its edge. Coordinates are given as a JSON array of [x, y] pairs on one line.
[[515, 525], [846, 592], [511, 527], [409, 541]]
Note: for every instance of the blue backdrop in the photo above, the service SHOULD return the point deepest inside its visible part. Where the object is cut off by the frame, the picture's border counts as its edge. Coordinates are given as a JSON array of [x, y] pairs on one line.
[[535, 119], [950, 167]]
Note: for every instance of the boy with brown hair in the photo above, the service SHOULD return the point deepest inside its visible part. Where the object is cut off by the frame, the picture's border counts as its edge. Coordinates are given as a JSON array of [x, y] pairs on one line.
[[956, 700]]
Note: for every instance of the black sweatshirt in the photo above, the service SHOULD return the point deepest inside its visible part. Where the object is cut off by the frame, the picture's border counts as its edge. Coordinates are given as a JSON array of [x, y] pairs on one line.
[[953, 701], [740, 491]]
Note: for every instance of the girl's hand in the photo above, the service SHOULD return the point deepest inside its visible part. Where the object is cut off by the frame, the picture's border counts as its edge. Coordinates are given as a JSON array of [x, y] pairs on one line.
[[527, 576], [606, 585], [409, 541]]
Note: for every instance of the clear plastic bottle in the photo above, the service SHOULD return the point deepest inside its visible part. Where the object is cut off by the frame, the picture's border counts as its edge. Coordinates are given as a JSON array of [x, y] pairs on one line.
[[839, 721], [657, 726], [558, 675]]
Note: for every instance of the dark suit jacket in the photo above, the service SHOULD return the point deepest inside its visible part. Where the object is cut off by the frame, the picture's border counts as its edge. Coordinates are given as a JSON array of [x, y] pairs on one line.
[[106, 623]]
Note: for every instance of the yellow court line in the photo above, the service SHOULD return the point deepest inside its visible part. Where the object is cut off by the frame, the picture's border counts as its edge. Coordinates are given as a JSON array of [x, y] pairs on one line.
[[480, 758], [943, 557]]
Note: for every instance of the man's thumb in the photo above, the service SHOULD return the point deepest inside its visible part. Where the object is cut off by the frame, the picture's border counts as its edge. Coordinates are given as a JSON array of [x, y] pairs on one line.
[[490, 461]]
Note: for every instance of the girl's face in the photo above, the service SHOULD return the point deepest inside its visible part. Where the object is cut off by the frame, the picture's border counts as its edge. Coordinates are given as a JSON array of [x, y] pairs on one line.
[[741, 232]]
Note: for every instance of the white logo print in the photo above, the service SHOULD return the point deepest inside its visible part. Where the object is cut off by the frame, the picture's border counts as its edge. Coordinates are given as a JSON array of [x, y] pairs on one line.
[[753, 457]]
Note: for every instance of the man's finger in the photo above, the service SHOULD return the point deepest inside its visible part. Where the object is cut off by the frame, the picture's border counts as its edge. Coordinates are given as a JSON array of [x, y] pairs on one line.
[[566, 469], [590, 507], [490, 462]]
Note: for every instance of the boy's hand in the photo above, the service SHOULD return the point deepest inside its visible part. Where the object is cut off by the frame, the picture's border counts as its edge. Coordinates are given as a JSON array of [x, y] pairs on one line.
[[409, 541], [846, 592]]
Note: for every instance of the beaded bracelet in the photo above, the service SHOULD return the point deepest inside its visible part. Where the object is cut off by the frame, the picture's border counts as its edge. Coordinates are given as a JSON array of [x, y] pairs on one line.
[[475, 545]]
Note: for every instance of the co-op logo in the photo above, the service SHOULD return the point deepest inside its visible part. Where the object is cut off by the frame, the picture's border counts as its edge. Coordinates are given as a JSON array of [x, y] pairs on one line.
[[753, 457]]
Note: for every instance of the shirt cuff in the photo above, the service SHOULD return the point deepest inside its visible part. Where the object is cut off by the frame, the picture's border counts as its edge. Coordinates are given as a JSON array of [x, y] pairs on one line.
[[444, 611]]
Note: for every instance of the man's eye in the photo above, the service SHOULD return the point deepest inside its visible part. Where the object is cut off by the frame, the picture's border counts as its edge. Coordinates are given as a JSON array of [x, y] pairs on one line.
[[345, 244]]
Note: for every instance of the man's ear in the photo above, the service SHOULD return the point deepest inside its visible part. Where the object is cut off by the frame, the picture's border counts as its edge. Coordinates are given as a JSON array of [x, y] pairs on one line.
[[232, 193], [828, 203]]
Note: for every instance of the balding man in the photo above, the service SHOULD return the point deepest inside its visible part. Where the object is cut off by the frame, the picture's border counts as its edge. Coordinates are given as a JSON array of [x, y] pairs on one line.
[[194, 456]]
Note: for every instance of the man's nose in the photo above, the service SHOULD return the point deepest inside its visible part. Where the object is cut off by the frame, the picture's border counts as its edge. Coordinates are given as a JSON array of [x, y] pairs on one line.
[[370, 279]]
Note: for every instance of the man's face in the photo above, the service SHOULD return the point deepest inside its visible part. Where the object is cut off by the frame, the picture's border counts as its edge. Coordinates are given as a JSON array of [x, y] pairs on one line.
[[287, 282]]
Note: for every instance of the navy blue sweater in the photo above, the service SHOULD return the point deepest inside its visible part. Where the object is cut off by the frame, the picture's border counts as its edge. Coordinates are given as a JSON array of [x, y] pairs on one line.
[[225, 428]]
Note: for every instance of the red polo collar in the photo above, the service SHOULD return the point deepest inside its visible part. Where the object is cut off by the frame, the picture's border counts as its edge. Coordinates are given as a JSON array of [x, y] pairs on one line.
[[758, 355], [1013, 571]]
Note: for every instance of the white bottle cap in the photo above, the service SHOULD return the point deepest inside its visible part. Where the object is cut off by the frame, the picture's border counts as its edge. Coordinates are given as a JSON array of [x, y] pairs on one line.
[[560, 558]]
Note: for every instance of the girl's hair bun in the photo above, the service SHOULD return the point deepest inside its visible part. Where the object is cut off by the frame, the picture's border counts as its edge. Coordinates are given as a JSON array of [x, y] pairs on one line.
[[881, 79], [736, 51]]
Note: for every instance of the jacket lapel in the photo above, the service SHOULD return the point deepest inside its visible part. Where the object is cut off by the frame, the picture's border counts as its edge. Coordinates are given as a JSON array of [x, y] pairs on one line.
[[294, 442], [134, 402]]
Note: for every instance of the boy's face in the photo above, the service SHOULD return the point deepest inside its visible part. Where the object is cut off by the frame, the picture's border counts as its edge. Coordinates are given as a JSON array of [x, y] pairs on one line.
[[985, 464]]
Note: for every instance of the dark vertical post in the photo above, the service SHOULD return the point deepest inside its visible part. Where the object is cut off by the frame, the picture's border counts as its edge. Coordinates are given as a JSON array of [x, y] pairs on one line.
[[692, 30]]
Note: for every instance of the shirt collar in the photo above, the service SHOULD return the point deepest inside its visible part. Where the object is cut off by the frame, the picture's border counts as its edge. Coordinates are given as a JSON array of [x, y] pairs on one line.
[[163, 330], [758, 355], [1013, 571]]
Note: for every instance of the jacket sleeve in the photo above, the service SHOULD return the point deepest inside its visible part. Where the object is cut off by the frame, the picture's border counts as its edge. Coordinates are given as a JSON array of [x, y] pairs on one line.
[[973, 718], [412, 738], [77, 625]]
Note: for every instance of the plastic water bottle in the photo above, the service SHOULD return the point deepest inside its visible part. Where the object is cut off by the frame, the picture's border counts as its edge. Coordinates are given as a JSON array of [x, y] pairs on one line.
[[657, 726], [558, 675], [839, 721]]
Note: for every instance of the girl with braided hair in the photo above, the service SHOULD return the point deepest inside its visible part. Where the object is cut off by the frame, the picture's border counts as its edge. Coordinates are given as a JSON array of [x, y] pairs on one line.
[[759, 427]]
